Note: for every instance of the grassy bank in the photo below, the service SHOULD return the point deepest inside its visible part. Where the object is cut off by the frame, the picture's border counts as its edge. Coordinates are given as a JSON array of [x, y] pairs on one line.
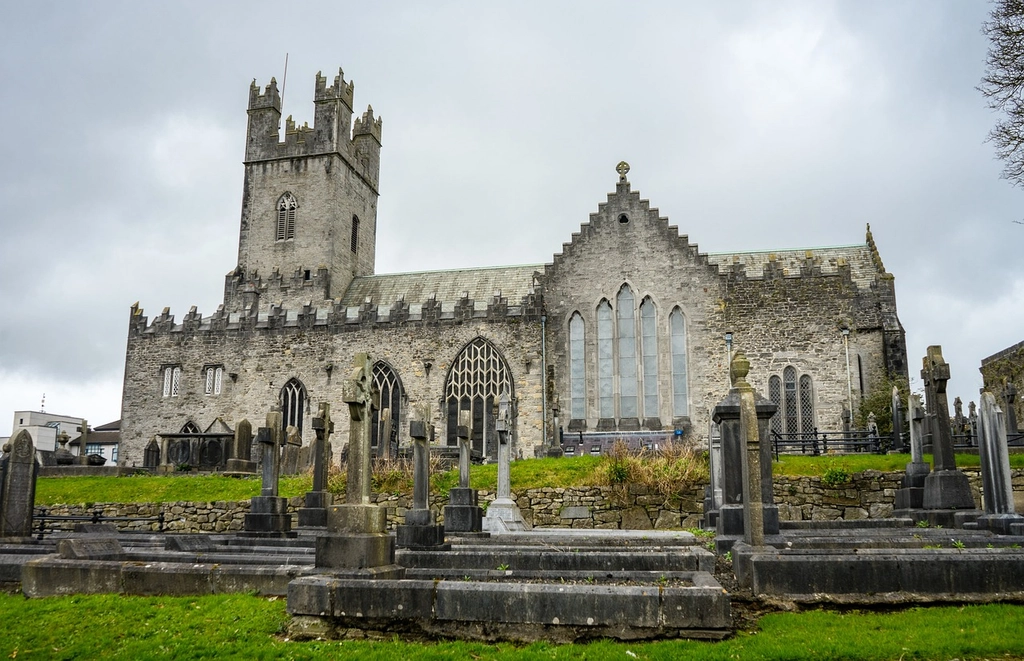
[[244, 626]]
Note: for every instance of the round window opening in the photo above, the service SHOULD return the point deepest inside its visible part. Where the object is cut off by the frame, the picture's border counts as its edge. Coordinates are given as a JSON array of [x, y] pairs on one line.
[[623, 219]]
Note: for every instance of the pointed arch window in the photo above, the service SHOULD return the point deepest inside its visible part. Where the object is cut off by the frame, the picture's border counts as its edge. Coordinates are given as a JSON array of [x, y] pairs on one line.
[[478, 376], [214, 379], [605, 360], [293, 404], [390, 388], [577, 369], [624, 305], [286, 206], [795, 401], [649, 356], [190, 428], [775, 395], [680, 377]]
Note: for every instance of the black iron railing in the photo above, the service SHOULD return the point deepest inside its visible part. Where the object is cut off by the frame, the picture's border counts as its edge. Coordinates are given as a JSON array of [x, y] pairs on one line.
[[822, 442], [44, 522]]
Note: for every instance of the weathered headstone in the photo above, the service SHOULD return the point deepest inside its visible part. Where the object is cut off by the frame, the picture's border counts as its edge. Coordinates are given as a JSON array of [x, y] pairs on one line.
[[713, 492], [151, 455], [268, 515], [463, 515], [18, 472], [997, 485], [727, 414], [356, 536], [503, 514], [753, 512], [384, 440], [897, 422], [240, 462], [290, 452], [319, 499], [420, 530], [910, 495], [945, 488]]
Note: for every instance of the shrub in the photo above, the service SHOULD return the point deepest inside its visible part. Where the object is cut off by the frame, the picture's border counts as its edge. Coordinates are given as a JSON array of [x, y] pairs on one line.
[[835, 475]]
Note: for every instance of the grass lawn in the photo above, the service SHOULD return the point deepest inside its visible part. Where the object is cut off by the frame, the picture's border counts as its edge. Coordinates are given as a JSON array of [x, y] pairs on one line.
[[793, 464], [244, 626]]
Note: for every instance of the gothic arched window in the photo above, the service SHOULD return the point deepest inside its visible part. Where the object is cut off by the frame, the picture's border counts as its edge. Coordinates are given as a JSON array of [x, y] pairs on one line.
[[286, 206], [190, 428], [789, 409], [806, 405], [478, 376], [390, 388], [649, 356], [577, 369], [680, 396], [775, 395], [293, 404], [605, 361], [627, 353]]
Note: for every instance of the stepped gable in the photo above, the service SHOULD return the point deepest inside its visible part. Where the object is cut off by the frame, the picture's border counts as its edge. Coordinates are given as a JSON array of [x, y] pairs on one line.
[[626, 201]]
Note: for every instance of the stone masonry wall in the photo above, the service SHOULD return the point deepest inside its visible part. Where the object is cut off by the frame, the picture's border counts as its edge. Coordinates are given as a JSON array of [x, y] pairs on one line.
[[868, 494]]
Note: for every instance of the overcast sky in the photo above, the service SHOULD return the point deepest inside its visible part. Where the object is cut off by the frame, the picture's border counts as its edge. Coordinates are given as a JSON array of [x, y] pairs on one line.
[[750, 125]]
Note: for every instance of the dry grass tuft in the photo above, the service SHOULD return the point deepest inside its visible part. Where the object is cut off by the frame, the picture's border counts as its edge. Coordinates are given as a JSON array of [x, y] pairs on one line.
[[666, 471]]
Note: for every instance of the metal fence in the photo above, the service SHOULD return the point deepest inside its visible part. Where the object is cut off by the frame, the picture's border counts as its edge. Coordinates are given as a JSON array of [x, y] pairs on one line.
[[819, 442]]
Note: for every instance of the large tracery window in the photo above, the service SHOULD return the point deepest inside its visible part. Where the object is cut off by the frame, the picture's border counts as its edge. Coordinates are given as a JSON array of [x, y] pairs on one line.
[[293, 404], [605, 361], [680, 391], [649, 354], [795, 399], [286, 206], [390, 388], [627, 353], [577, 369], [478, 376]]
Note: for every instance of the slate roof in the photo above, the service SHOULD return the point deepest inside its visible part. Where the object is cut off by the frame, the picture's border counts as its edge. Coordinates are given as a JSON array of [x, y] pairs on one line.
[[481, 284], [859, 257]]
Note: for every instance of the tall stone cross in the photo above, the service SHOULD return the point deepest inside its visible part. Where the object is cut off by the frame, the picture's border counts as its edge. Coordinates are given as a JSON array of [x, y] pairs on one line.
[[897, 421], [916, 442], [503, 425], [269, 438], [83, 458], [419, 430], [323, 427], [361, 396], [462, 432], [935, 373], [384, 436]]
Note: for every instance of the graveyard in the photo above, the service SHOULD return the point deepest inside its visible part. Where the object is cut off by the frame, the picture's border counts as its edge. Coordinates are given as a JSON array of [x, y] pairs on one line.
[[348, 570]]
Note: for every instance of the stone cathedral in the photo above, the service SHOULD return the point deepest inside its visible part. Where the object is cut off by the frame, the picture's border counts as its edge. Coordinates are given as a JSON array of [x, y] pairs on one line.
[[621, 335]]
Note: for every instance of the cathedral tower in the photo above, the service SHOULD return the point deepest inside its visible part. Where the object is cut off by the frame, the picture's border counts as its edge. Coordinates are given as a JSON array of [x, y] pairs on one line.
[[309, 203]]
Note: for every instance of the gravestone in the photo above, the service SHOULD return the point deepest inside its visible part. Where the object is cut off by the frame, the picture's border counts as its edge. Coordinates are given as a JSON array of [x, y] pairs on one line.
[[420, 530], [503, 514], [946, 489], [713, 492], [240, 462], [910, 495], [268, 514], [151, 455], [997, 484], [463, 515], [727, 414], [18, 471], [357, 536], [384, 449], [319, 499], [290, 453], [897, 422]]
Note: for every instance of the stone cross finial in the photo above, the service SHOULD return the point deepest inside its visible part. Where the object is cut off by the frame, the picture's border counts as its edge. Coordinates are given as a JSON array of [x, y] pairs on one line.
[[622, 168]]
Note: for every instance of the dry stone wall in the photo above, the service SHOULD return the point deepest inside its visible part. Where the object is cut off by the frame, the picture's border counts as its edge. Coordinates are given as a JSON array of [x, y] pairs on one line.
[[868, 494]]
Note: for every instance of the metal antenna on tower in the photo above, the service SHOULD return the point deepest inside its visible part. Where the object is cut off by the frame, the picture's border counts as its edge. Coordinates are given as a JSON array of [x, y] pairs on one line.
[[42, 404], [284, 86]]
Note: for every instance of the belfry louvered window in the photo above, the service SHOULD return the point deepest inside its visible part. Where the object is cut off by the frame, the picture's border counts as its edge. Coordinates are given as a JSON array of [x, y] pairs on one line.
[[478, 376], [286, 206]]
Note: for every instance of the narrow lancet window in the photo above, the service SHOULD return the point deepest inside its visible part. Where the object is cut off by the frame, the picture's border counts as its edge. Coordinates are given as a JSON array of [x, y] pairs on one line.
[[605, 361], [286, 206], [680, 394], [624, 305], [649, 353], [577, 369]]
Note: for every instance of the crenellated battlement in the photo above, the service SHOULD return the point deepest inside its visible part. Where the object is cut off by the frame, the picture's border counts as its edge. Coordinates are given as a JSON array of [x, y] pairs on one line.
[[335, 316], [332, 131], [340, 90]]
